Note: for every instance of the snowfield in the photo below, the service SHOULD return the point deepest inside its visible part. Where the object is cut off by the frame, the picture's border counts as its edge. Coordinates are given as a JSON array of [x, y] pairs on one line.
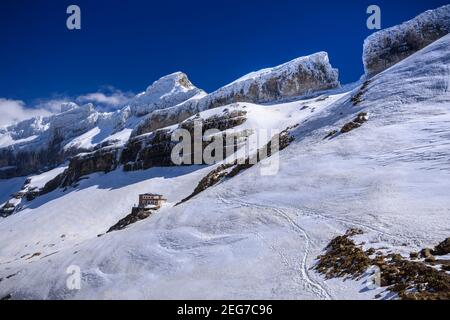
[[254, 236]]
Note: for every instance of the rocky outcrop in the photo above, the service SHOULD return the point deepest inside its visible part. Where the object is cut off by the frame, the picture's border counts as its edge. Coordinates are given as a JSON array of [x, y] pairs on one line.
[[410, 280], [15, 204], [387, 47], [355, 123], [229, 170], [155, 149], [212, 178], [150, 151], [295, 78], [7, 209], [136, 215], [103, 160]]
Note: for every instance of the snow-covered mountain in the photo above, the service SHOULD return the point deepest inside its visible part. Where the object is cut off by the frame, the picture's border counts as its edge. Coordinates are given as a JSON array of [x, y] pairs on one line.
[[40, 144], [373, 157], [296, 78]]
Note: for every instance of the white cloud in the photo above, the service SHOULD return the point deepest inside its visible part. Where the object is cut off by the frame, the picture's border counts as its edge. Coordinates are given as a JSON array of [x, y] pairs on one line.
[[106, 100], [12, 111], [52, 105]]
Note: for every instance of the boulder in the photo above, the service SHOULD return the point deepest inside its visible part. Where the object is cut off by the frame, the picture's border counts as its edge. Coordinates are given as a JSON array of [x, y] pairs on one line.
[[442, 248]]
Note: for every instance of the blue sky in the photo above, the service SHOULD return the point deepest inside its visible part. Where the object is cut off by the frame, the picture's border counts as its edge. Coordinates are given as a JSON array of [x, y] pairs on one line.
[[125, 45]]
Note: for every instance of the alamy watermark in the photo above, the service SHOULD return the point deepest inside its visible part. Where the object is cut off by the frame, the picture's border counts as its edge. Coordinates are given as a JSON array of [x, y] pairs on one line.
[[373, 280], [374, 20], [73, 22], [211, 146], [73, 281]]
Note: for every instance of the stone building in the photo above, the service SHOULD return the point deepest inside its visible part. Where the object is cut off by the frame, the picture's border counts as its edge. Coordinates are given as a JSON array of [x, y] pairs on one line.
[[151, 199]]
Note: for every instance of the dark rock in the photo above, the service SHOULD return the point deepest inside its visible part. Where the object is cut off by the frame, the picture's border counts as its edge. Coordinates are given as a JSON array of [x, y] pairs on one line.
[[103, 160], [330, 134], [408, 279], [209, 180], [425, 253], [7, 209], [30, 195], [442, 248], [53, 184], [223, 171], [36, 254], [357, 98], [414, 255], [143, 152], [7, 297], [136, 215], [355, 123]]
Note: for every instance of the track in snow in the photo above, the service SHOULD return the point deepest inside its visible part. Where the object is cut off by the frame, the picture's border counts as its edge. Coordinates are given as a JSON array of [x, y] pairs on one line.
[[314, 286]]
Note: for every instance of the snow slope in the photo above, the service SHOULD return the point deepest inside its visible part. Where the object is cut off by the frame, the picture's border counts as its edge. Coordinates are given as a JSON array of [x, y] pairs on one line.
[[256, 236]]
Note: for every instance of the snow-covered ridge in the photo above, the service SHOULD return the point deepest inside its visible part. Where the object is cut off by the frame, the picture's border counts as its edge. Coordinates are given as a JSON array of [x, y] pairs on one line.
[[37, 143], [384, 48], [295, 78], [168, 91], [169, 100], [308, 62]]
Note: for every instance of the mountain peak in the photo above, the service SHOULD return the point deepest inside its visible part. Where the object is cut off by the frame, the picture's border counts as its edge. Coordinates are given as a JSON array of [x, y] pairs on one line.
[[176, 80], [165, 92]]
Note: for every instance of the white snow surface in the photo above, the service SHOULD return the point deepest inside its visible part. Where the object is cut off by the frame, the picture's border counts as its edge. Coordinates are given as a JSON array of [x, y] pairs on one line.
[[255, 236]]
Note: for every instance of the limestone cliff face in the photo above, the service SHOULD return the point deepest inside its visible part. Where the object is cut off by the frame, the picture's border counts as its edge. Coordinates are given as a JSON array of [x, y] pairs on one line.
[[103, 160], [145, 151], [387, 47]]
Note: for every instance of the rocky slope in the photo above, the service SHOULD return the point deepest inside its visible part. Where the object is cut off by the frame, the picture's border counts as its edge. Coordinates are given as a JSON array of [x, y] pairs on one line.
[[389, 46], [147, 151]]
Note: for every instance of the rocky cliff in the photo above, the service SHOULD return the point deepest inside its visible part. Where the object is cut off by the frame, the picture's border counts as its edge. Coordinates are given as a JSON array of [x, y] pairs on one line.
[[389, 46], [43, 143], [148, 150]]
